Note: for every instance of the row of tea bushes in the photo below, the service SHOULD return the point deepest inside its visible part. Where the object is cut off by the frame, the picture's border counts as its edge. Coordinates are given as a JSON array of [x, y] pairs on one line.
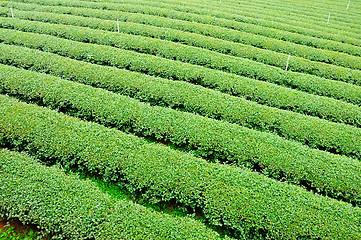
[[241, 12], [235, 49], [313, 131], [236, 198], [310, 53], [219, 22], [343, 22], [161, 67], [65, 207], [215, 140], [258, 91], [183, 53], [169, 68]]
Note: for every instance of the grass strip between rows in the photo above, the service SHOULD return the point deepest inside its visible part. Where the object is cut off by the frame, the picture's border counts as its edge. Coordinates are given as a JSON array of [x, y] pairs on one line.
[[242, 200], [68, 208], [208, 138], [131, 15]]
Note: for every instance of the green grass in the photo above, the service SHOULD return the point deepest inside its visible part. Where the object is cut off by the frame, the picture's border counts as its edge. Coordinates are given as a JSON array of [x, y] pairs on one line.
[[118, 192], [12, 233]]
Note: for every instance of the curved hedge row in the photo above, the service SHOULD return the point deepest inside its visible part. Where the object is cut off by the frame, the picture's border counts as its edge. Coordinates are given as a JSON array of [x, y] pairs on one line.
[[239, 50], [68, 208], [176, 70], [208, 138], [232, 11], [237, 198], [283, 13], [183, 53], [182, 71], [261, 92], [341, 18], [239, 13], [213, 31], [244, 15], [312, 131], [251, 28]]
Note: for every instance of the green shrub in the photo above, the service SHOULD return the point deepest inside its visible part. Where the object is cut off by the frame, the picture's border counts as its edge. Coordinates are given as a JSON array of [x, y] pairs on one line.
[[315, 132], [190, 54], [228, 196], [239, 50], [68, 208], [154, 65], [276, 17], [134, 84], [260, 32], [343, 22]]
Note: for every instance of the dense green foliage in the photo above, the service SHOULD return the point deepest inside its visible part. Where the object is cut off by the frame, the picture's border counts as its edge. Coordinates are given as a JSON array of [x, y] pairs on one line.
[[227, 195], [183, 53], [251, 12], [76, 209], [9, 233], [209, 138], [184, 115], [168, 92], [153, 65], [345, 17], [315, 132], [238, 10], [260, 55], [256, 30]]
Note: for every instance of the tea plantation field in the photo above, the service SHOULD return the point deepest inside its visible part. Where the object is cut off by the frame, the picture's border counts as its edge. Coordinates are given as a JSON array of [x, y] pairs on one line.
[[181, 119]]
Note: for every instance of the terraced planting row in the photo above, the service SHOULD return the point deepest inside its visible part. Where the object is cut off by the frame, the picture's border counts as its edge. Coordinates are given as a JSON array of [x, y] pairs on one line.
[[183, 115], [154, 65], [255, 29], [312, 131], [179, 52], [244, 51], [209, 138], [346, 37], [240, 13], [60, 206], [254, 90], [293, 10], [228, 196], [213, 31]]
